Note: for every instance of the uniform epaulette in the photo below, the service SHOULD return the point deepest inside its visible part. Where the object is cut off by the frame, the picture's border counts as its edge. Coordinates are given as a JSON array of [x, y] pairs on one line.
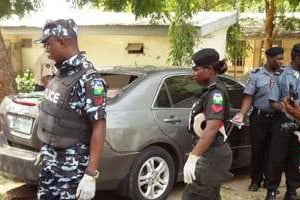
[[255, 70], [278, 72]]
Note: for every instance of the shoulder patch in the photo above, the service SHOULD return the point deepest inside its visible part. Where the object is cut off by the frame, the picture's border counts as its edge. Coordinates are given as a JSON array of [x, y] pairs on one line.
[[217, 98], [278, 72], [255, 70]]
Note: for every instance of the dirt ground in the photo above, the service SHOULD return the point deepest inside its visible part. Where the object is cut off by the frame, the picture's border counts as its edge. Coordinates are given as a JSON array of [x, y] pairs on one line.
[[235, 189]]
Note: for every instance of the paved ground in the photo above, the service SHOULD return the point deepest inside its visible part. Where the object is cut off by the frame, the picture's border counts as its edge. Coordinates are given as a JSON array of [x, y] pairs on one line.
[[235, 189]]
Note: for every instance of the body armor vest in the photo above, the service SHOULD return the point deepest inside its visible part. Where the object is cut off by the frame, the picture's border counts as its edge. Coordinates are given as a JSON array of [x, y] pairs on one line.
[[198, 106], [59, 125]]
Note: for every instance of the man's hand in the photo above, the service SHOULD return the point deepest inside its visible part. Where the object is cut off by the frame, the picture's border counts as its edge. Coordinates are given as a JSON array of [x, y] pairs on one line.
[[291, 108], [239, 117], [86, 188], [190, 168]]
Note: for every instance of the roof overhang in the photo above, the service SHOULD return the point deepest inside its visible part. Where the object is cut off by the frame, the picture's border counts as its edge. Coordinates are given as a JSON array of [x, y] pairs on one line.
[[93, 21]]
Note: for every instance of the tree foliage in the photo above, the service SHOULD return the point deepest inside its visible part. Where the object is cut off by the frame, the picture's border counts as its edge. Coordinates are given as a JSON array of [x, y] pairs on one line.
[[18, 7]]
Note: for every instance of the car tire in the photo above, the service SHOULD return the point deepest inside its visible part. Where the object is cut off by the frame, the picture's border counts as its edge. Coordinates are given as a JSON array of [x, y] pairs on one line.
[[152, 175]]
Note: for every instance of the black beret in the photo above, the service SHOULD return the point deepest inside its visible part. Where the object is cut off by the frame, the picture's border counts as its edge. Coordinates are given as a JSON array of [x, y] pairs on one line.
[[296, 48], [274, 51], [205, 57]]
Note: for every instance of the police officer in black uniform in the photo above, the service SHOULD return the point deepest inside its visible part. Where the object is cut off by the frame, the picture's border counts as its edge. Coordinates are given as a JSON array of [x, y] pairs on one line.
[[209, 162], [284, 149], [71, 122], [256, 94]]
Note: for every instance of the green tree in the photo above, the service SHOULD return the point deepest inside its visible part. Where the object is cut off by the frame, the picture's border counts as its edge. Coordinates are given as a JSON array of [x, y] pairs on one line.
[[7, 76], [275, 18]]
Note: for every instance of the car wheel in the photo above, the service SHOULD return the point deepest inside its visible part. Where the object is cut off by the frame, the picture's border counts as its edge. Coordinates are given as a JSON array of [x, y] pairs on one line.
[[152, 175]]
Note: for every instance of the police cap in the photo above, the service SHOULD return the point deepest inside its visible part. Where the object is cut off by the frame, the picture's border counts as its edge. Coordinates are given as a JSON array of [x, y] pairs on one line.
[[63, 27], [205, 57], [274, 51]]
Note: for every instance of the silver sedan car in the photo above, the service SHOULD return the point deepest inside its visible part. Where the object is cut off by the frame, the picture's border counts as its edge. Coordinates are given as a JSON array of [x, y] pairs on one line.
[[147, 140]]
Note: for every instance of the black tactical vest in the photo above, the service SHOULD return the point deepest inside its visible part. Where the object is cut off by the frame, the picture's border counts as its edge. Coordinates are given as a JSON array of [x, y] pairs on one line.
[[198, 106], [59, 125]]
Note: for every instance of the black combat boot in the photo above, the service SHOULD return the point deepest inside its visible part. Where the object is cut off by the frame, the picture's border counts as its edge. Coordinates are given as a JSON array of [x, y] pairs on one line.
[[253, 187], [271, 195], [291, 195]]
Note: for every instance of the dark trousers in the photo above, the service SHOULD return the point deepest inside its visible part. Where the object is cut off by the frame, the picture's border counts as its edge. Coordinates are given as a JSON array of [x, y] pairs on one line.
[[284, 156], [211, 170], [261, 132]]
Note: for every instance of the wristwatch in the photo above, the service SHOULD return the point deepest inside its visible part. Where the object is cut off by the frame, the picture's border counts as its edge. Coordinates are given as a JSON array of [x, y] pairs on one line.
[[95, 174]]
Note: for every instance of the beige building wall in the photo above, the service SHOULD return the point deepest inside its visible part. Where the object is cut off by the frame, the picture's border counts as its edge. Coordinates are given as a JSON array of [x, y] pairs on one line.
[[106, 46], [216, 40], [111, 50], [102, 50]]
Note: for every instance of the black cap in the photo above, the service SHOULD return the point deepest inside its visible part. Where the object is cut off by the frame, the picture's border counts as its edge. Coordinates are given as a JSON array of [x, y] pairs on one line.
[[205, 57], [274, 51], [296, 48], [61, 27]]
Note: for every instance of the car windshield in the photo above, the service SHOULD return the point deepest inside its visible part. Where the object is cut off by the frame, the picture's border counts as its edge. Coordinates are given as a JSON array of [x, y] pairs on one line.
[[117, 82]]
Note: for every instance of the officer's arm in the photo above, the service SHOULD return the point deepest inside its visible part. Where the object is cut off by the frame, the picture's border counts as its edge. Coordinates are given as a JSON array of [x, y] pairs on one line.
[[209, 133], [291, 108], [246, 104], [96, 144]]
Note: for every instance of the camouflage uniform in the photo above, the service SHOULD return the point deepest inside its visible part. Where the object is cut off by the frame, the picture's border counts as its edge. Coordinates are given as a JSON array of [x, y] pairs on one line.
[[62, 169]]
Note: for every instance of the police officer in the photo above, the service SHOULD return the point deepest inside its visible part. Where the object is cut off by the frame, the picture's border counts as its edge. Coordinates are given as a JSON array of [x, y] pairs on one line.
[[71, 122], [209, 162], [256, 94], [284, 144], [44, 71]]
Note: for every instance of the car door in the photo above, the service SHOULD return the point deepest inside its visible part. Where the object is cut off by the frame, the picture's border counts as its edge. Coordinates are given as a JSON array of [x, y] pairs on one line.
[[239, 139], [172, 106]]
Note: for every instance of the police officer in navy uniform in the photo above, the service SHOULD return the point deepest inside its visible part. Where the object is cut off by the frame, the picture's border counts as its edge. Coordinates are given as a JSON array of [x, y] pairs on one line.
[[284, 144], [256, 94], [209, 161], [72, 116]]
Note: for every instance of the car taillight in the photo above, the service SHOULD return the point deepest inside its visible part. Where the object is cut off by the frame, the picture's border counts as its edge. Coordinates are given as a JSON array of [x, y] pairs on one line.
[[23, 102], [1, 124]]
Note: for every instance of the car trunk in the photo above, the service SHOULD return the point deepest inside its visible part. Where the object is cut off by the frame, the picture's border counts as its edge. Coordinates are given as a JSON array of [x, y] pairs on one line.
[[19, 113]]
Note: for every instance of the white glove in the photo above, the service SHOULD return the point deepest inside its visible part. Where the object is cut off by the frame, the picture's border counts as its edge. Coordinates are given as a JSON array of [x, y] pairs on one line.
[[297, 133], [239, 117], [86, 188], [190, 168]]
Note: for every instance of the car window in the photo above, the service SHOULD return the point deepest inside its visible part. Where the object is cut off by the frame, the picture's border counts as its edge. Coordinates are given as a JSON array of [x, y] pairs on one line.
[[163, 99], [177, 92], [235, 91], [116, 82]]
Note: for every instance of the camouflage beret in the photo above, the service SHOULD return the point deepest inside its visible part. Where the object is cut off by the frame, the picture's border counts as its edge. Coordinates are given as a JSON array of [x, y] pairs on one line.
[[62, 27]]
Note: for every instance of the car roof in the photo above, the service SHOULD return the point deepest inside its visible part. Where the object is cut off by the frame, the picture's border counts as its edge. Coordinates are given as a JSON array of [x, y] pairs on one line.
[[151, 70], [147, 69]]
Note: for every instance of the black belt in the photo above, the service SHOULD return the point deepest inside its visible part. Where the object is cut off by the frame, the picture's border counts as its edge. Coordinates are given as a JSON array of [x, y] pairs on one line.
[[260, 112]]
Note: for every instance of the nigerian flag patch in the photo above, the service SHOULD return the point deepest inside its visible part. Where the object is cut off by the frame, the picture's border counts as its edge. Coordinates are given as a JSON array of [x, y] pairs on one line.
[[217, 99]]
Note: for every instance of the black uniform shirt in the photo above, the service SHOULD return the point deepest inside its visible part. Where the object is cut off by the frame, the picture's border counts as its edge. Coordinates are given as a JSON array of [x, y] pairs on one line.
[[214, 104]]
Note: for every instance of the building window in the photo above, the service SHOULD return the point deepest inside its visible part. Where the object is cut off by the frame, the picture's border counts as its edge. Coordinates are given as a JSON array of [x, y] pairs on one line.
[[135, 48], [240, 61], [26, 43]]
